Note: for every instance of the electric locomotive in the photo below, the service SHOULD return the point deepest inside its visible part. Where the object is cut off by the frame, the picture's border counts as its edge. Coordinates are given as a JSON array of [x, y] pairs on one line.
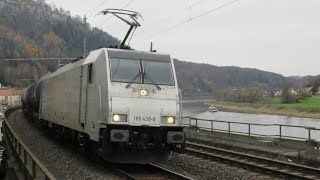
[[124, 103], [121, 103]]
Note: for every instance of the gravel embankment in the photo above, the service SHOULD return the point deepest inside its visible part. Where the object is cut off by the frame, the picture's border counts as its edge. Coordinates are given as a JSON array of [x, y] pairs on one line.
[[205, 169], [61, 160], [66, 163]]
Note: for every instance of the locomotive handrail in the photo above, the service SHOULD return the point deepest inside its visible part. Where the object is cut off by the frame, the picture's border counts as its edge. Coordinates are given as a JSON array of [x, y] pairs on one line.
[[24, 153]]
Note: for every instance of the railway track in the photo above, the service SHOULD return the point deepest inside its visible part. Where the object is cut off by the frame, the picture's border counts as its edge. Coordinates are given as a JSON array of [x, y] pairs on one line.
[[125, 171], [147, 171], [269, 166]]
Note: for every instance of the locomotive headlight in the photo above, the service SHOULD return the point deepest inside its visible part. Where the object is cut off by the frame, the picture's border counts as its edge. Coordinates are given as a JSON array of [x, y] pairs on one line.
[[119, 118], [116, 117], [168, 119], [144, 92]]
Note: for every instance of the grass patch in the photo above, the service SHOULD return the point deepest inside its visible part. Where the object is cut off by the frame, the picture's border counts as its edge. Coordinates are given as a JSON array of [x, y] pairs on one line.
[[310, 107]]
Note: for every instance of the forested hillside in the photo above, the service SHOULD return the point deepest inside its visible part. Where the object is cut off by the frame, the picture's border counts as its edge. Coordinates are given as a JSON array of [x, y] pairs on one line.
[[204, 79], [32, 28]]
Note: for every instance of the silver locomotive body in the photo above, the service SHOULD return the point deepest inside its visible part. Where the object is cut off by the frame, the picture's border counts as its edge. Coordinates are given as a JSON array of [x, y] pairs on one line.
[[124, 104]]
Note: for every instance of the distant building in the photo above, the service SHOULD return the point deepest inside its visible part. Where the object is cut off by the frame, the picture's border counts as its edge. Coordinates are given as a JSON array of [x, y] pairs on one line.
[[310, 90], [307, 90], [291, 91], [278, 93], [9, 97]]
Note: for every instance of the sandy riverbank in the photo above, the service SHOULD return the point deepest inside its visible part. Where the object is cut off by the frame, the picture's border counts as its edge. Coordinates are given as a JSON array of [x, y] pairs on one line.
[[249, 108]]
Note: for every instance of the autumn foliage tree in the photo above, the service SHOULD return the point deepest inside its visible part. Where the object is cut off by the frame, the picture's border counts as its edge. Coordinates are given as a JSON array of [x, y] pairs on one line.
[[314, 83], [53, 45], [240, 95], [34, 29]]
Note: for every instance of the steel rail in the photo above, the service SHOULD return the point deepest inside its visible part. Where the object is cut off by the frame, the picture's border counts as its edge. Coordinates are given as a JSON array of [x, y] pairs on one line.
[[147, 171], [264, 165], [35, 169]]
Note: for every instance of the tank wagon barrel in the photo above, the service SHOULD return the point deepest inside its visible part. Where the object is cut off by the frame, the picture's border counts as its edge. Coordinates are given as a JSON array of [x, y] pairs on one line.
[[30, 97]]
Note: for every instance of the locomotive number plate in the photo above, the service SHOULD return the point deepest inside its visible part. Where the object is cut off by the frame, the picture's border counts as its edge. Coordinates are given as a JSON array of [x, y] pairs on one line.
[[144, 119]]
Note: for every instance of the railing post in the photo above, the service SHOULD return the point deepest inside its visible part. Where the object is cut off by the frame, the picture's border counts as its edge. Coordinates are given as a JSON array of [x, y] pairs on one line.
[[15, 143], [196, 124], [280, 131], [211, 127], [34, 169], [229, 129], [19, 149], [25, 172], [309, 134], [47, 178], [25, 157], [249, 130], [189, 122]]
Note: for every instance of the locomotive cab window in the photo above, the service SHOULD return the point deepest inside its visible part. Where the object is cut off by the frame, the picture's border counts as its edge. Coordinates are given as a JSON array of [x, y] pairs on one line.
[[90, 73], [158, 72], [141, 71], [125, 70]]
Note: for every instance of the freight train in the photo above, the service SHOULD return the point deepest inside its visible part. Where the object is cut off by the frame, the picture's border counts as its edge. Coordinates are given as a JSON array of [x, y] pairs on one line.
[[123, 104]]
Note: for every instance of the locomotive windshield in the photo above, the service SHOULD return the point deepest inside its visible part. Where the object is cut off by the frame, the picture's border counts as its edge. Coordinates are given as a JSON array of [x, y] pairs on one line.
[[151, 72], [124, 70], [159, 72]]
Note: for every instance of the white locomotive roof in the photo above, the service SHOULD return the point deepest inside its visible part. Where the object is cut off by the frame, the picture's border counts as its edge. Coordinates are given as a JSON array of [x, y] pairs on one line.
[[112, 53], [134, 54], [86, 60]]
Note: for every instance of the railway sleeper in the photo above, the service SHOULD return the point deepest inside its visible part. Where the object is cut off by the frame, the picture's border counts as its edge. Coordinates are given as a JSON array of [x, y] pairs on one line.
[[258, 166]]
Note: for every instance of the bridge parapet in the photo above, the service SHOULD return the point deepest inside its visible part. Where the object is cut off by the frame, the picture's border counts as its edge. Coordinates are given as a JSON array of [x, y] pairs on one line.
[[29, 163]]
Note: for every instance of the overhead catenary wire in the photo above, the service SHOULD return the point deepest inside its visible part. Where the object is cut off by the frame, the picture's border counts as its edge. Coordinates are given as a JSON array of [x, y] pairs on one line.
[[191, 19], [39, 59], [192, 5], [196, 3], [92, 11], [112, 16], [166, 18], [182, 10]]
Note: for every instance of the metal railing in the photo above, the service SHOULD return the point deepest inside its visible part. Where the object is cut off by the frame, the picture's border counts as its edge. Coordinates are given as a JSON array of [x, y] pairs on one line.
[[230, 127], [31, 166]]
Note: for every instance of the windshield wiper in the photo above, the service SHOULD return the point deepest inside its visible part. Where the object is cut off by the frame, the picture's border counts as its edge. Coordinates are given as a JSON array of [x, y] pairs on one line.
[[129, 84], [146, 75]]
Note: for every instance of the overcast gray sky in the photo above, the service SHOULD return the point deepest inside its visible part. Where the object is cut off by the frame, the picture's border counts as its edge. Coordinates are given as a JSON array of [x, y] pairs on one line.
[[281, 36]]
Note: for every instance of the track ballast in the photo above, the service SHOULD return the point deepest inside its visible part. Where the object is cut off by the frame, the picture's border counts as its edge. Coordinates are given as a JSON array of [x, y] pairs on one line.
[[264, 165]]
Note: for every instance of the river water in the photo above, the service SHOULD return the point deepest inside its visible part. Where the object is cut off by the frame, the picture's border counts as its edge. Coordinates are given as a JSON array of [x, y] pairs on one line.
[[299, 132]]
